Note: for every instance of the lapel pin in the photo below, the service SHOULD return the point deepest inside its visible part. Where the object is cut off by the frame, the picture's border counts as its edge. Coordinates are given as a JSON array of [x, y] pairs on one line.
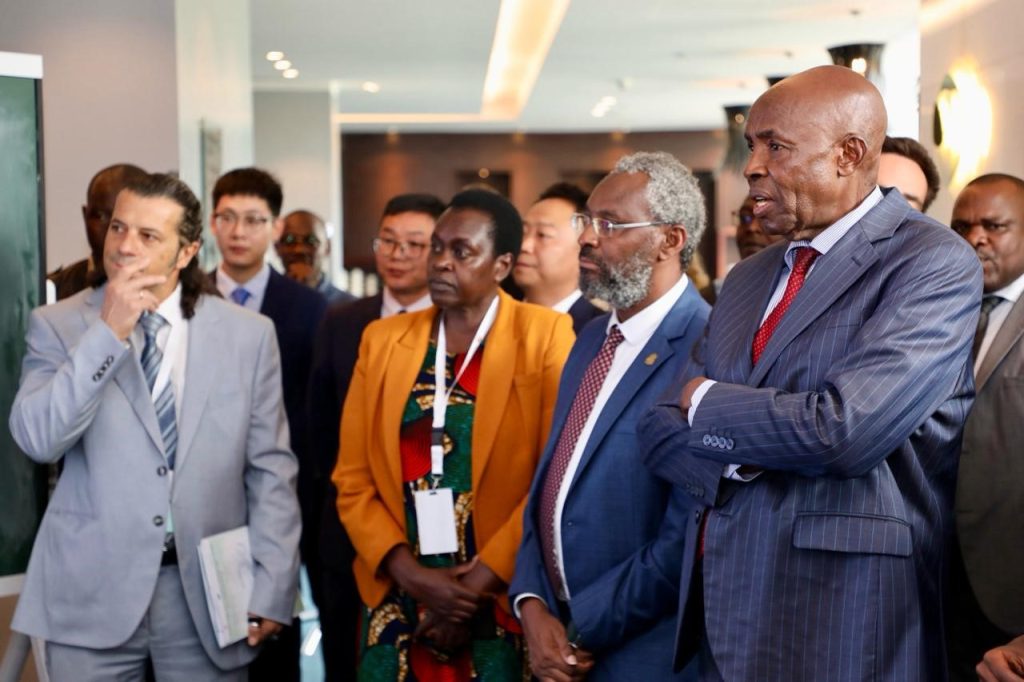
[[651, 359]]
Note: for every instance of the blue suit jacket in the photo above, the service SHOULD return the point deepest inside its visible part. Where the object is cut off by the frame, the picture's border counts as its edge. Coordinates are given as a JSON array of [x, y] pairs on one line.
[[622, 527], [828, 565]]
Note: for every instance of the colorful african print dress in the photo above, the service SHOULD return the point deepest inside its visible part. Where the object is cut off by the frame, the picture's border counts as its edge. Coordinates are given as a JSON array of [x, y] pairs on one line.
[[388, 652]]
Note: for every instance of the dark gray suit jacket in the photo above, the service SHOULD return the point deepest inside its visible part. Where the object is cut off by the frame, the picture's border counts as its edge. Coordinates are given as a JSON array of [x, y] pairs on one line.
[[828, 565], [990, 485]]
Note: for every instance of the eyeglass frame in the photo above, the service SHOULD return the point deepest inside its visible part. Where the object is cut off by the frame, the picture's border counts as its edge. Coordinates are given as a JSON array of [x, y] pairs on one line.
[[410, 249], [250, 222], [609, 226], [290, 239]]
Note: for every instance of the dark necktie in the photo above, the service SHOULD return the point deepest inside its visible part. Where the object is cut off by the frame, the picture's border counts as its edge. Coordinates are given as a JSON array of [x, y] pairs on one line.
[[152, 356], [805, 256], [988, 303], [240, 295], [582, 405]]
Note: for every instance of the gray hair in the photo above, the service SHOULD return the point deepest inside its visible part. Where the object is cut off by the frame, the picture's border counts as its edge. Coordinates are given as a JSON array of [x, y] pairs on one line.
[[672, 194]]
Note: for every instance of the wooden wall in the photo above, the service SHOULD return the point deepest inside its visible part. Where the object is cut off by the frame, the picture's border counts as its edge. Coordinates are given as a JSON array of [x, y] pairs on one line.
[[376, 167]]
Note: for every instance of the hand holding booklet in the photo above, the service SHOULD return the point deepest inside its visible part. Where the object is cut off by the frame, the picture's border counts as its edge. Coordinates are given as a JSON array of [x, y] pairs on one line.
[[226, 563]]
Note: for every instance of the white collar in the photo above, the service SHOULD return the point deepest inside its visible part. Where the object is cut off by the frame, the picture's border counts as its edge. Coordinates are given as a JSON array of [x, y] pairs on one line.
[[567, 302], [391, 305], [638, 329]]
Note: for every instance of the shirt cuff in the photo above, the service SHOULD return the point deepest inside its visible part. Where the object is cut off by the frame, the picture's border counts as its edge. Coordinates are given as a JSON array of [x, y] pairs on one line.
[[698, 395], [520, 598], [733, 473]]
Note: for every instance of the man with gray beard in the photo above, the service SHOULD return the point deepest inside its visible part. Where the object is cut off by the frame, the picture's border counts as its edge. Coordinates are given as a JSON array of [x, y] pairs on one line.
[[597, 574]]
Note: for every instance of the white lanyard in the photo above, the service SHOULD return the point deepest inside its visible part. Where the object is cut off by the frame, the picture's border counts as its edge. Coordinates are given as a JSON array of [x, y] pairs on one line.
[[441, 394]]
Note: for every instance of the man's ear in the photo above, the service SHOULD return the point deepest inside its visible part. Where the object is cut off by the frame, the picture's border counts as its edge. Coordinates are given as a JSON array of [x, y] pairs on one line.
[[852, 152], [187, 253], [675, 241]]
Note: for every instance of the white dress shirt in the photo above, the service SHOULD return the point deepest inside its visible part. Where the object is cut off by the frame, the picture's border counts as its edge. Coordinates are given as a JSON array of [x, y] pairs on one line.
[[392, 306], [257, 287], [822, 243], [1009, 294], [567, 302]]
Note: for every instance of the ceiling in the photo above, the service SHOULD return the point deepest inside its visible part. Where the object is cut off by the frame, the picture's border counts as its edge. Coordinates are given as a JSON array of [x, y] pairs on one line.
[[670, 64]]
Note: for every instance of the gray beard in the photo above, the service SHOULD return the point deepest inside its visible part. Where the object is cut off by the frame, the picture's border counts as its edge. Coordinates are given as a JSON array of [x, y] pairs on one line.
[[621, 286]]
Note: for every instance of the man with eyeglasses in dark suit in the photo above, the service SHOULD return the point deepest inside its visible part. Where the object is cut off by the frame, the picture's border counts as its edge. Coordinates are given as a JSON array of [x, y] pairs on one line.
[[400, 250], [302, 248], [245, 222]]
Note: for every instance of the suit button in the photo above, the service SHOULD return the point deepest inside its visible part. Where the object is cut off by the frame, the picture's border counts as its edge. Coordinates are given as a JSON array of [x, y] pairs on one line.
[[96, 376], [161, 471], [158, 520], [729, 443], [706, 439], [110, 360], [715, 442]]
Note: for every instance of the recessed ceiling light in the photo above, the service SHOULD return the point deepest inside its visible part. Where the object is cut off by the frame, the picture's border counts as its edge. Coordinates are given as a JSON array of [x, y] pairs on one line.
[[290, 73], [371, 87], [275, 56], [282, 65]]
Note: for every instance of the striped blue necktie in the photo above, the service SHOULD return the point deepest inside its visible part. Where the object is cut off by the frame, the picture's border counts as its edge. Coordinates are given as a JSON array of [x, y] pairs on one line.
[[164, 403]]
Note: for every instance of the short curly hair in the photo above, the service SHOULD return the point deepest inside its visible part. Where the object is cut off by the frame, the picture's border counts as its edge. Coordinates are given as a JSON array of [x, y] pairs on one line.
[[672, 194]]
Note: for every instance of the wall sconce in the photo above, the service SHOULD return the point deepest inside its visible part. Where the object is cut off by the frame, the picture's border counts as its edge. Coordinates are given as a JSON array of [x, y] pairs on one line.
[[962, 125], [864, 58], [736, 151]]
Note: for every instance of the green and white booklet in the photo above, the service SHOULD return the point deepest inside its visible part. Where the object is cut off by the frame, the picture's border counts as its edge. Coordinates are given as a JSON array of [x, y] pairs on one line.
[[227, 567]]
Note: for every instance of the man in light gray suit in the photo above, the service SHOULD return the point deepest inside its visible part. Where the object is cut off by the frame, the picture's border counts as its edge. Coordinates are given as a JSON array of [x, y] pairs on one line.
[[165, 404], [986, 596], [821, 433]]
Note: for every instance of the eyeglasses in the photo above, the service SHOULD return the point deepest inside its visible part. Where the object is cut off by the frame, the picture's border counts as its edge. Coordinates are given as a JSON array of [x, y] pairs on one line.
[[386, 247], [250, 221], [309, 240], [604, 227], [743, 217]]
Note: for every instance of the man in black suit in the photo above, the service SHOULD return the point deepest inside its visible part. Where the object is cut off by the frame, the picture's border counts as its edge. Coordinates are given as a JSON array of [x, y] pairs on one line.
[[99, 206], [548, 268], [401, 249], [245, 222]]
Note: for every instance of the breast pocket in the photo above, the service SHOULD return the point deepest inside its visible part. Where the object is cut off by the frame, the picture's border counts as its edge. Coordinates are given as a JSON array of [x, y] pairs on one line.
[[853, 533]]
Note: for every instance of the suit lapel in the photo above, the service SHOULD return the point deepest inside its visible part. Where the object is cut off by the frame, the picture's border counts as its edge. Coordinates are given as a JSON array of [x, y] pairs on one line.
[[204, 341], [832, 275], [129, 377], [498, 366], [658, 346], [1008, 335], [400, 372]]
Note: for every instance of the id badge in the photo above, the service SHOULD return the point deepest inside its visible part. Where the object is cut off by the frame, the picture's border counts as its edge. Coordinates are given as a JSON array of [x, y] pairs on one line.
[[435, 521]]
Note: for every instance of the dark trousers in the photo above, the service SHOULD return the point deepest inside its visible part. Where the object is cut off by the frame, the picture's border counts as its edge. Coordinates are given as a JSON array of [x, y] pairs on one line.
[[969, 634], [339, 623]]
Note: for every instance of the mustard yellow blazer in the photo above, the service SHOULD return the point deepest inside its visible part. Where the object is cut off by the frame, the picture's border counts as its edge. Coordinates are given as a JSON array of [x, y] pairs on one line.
[[521, 365]]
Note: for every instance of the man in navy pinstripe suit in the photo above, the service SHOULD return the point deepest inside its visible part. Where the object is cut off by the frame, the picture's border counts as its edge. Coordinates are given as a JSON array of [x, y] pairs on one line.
[[823, 429]]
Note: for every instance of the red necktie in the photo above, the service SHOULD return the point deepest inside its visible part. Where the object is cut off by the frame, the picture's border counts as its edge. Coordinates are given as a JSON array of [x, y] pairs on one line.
[[805, 256], [582, 405]]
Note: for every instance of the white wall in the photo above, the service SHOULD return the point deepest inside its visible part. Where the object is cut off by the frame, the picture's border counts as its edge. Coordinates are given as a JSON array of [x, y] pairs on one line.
[[214, 83], [987, 35], [294, 136], [108, 97]]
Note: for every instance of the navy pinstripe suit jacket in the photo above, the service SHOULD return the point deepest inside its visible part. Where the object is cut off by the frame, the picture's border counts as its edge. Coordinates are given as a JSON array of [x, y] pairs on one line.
[[828, 565]]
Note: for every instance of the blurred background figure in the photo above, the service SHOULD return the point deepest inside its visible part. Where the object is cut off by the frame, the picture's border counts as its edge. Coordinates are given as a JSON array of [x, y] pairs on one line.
[[302, 248], [750, 236], [432, 615], [548, 267], [99, 206], [906, 165]]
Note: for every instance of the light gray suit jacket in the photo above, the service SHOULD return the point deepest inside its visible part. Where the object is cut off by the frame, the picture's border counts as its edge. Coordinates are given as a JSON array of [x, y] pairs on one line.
[[990, 484], [83, 397]]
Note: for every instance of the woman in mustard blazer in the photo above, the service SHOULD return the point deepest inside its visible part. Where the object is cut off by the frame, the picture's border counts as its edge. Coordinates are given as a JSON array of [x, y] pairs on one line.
[[433, 579]]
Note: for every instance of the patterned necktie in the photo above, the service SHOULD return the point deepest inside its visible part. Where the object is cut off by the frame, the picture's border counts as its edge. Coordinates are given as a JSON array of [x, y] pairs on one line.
[[240, 295], [988, 304], [164, 403], [582, 405], [805, 256]]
